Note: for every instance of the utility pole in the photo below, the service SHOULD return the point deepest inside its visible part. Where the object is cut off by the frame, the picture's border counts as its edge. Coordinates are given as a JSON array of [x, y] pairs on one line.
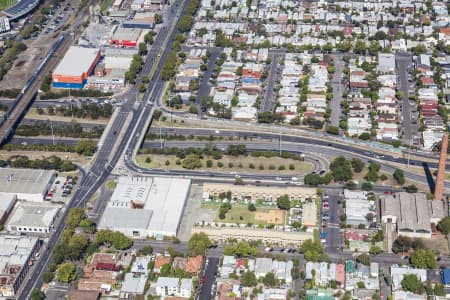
[[53, 136], [409, 151], [280, 140], [160, 138]]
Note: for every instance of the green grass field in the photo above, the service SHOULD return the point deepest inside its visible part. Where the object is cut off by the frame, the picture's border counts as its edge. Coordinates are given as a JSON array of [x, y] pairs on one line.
[[6, 3], [240, 214]]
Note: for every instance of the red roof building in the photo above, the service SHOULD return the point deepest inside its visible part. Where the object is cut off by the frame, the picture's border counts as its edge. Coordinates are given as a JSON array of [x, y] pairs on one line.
[[427, 81], [126, 37], [347, 31]]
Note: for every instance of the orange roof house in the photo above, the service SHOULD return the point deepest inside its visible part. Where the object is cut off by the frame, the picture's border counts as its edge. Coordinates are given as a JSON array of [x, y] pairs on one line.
[[159, 262], [194, 264]]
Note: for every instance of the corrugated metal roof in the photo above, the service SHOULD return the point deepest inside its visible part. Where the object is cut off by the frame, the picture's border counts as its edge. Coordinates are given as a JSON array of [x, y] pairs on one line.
[[77, 61]]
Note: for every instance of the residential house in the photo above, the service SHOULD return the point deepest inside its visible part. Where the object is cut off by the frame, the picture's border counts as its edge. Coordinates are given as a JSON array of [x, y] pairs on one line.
[[160, 261]]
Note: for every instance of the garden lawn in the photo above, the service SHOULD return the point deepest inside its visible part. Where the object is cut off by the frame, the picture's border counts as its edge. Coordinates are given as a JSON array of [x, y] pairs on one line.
[[240, 214]]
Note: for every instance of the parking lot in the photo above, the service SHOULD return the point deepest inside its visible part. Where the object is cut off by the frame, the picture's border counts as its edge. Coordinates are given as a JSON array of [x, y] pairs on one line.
[[61, 190]]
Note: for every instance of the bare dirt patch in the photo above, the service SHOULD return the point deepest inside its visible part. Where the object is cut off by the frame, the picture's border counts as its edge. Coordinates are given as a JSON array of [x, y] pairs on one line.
[[272, 216]]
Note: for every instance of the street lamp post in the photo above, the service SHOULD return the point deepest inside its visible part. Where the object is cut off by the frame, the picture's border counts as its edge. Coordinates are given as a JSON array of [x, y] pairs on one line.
[[409, 151], [51, 127], [280, 140], [160, 137]]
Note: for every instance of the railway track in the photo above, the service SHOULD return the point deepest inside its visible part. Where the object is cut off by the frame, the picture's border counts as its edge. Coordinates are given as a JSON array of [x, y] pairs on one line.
[[18, 109], [20, 106]]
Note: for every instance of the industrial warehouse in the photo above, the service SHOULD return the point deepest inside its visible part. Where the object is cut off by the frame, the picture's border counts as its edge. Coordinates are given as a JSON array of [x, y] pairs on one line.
[[26, 184], [146, 206], [73, 70], [16, 258]]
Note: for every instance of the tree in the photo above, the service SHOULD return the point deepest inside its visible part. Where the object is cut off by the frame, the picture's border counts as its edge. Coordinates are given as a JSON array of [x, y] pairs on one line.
[[399, 176], [47, 277], [371, 176], [75, 216], [411, 188], [444, 225], [147, 250], [193, 109], [86, 147], [311, 249], [374, 48], [142, 48], [364, 136], [185, 23], [401, 244], [192, 161], [115, 238], [198, 243], [248, 279], [364, 259], [439, 289], [376, 296], [283, 202], [270, 280], [148, 38], [66, 272], [37, 294], [360, 285], [251, 207], [375, 250], [357, 164], [77, 244], [333, 130], [420, 49], [341, 169], [241, 249], [380, 35], [424, 259], [360, 47], [158, 18], [411, 282]]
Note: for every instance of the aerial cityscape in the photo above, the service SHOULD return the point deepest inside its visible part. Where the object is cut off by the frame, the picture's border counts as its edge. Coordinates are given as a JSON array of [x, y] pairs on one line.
[[223, 149]]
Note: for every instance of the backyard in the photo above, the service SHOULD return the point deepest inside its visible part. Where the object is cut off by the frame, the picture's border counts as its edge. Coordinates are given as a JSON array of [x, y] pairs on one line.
[[242, 215]]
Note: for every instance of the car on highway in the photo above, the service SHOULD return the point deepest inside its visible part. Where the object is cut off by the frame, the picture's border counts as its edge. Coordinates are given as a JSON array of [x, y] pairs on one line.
[[268, 249]]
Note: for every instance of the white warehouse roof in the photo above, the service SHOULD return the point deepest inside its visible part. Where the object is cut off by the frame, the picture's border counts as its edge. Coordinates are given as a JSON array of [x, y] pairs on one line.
[[33, 215], [25, 181], [146, 206], [77, 61]]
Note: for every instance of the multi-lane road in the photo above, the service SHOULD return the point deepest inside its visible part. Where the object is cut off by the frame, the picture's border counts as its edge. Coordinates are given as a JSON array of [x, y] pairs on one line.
[[132, 113]]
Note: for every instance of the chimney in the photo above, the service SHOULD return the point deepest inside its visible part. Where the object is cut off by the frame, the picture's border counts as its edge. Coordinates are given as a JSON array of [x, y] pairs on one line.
[[439, 187]]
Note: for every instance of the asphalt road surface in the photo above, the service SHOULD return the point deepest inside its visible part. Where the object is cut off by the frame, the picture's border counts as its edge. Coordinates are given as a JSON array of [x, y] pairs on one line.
[[290, 139], [102, 166], [210, 278], [268, 101], [338, 89], [315, 147], [402, 66]]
